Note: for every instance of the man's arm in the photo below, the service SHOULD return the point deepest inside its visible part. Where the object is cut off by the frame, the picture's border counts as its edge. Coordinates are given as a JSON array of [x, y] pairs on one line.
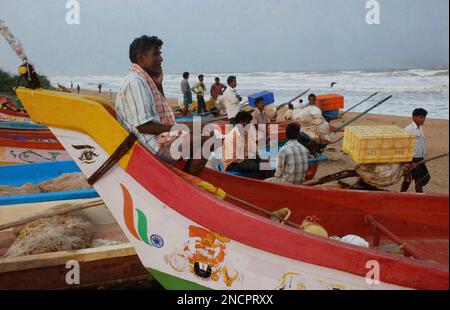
[[152, 128]]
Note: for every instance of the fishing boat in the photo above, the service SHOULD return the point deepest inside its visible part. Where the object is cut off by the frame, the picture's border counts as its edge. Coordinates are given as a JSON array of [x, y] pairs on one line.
[[189, 238], [11, 116], [18, 134], [112, 260], [20, 125], [18, 175], [14, 151]]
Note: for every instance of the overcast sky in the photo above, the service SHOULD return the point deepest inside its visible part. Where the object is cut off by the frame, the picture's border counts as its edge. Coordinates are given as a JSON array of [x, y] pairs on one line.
[[229, 35]]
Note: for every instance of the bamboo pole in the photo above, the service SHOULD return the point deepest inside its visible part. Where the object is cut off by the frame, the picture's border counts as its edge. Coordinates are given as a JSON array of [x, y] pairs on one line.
[[61, 209], [358, 104], [361, 114]]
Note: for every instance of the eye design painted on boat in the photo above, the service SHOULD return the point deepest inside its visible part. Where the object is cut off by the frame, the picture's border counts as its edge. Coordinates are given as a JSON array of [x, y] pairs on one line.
[[88, 153]]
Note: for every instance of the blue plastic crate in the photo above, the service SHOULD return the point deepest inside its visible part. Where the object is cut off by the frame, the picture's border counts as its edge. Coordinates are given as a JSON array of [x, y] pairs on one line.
[[267, 95]]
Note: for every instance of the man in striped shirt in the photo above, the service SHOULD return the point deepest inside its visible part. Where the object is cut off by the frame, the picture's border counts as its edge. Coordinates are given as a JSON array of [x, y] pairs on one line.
[[143, 110], [292, 160]]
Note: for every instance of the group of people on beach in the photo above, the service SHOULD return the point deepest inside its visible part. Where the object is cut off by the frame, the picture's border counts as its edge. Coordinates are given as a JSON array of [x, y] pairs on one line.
[[143, 110]]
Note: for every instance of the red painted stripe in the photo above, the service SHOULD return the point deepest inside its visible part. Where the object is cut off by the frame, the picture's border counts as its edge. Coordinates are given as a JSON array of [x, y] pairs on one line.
[[255, 231], [32, 144], [25, 134], [12, 113]]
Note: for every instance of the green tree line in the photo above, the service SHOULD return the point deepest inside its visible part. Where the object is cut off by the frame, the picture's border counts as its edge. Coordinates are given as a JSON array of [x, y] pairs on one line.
[[8, 82]]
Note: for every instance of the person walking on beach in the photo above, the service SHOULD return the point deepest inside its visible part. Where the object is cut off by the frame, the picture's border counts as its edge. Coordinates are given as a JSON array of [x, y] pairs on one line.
[[143, 110], [420, 174], [187, 94], [231, 99], [99, 88], [78, 88], [71, 85], [199, 89]]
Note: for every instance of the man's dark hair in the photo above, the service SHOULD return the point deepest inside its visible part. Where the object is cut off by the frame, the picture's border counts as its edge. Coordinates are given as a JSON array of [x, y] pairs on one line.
[[143, 44], [185, 75], [217, 79], [231, 79], [243, 116], [312, 96], [292, 131], [420, 112], [258, 100], [200, 76]]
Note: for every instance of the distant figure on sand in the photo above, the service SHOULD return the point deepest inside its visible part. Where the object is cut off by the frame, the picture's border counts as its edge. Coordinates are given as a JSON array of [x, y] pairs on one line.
[[99, 88], [78, 88], [71, 85], [420, 174], [199, 89], [187, 94], [143, 110], [292, 159], [231, 99]]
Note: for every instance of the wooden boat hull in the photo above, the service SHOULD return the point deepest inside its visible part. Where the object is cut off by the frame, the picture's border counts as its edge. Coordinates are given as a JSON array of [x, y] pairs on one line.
[[188, 238], [18, 175], [15, 134], [9, 116], [98, 266], [31, 151], [20, 126]]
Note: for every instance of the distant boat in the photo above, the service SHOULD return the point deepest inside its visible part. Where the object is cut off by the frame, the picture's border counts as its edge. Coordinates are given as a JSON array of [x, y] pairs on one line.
[[189, 238]]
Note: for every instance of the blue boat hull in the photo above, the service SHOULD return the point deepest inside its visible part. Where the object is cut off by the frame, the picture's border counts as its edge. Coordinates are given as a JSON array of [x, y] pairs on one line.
[[18, 175], [18, 125]]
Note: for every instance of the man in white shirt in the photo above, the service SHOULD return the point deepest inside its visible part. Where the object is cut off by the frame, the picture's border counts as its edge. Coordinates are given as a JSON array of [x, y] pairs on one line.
[[420, 174], [231, 99]]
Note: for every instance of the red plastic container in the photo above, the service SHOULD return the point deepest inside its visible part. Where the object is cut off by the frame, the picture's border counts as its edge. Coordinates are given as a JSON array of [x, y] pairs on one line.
[[330, 102]]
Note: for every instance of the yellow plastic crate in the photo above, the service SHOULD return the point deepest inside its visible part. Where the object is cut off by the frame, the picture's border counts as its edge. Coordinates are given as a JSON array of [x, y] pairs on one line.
[[378, 144]]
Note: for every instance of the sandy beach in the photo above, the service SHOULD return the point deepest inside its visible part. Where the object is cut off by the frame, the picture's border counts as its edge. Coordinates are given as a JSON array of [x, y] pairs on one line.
[[437, 141]]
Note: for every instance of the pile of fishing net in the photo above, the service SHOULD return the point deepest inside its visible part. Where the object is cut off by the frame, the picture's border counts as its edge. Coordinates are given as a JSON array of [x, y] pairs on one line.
[[313, 123], [380, 175], [72, 231], [65, 182]]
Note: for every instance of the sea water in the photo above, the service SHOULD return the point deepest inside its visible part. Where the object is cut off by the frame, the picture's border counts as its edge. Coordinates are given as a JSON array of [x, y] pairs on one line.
[[426, 88]]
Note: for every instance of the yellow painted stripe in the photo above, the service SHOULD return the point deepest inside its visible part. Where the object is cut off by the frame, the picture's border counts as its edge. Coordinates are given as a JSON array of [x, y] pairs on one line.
[[74, 112]]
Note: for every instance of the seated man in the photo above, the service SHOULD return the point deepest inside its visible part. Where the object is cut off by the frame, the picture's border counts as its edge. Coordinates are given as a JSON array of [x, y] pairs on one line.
[[142, 108], [292, 160], [239, 151], [259, 116]]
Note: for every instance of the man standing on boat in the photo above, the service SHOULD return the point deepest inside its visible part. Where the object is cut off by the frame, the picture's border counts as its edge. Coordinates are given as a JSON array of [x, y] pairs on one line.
[[199, 89], [292, 160], [187, 94], [143, 110], [420, 174], [217, 90], [231, 99]]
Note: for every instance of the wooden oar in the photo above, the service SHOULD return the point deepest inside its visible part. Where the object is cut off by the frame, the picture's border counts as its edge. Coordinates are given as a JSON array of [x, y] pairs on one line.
[[293, 99], [415, 165], [358, 104], [361, 114], [61, 209]]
